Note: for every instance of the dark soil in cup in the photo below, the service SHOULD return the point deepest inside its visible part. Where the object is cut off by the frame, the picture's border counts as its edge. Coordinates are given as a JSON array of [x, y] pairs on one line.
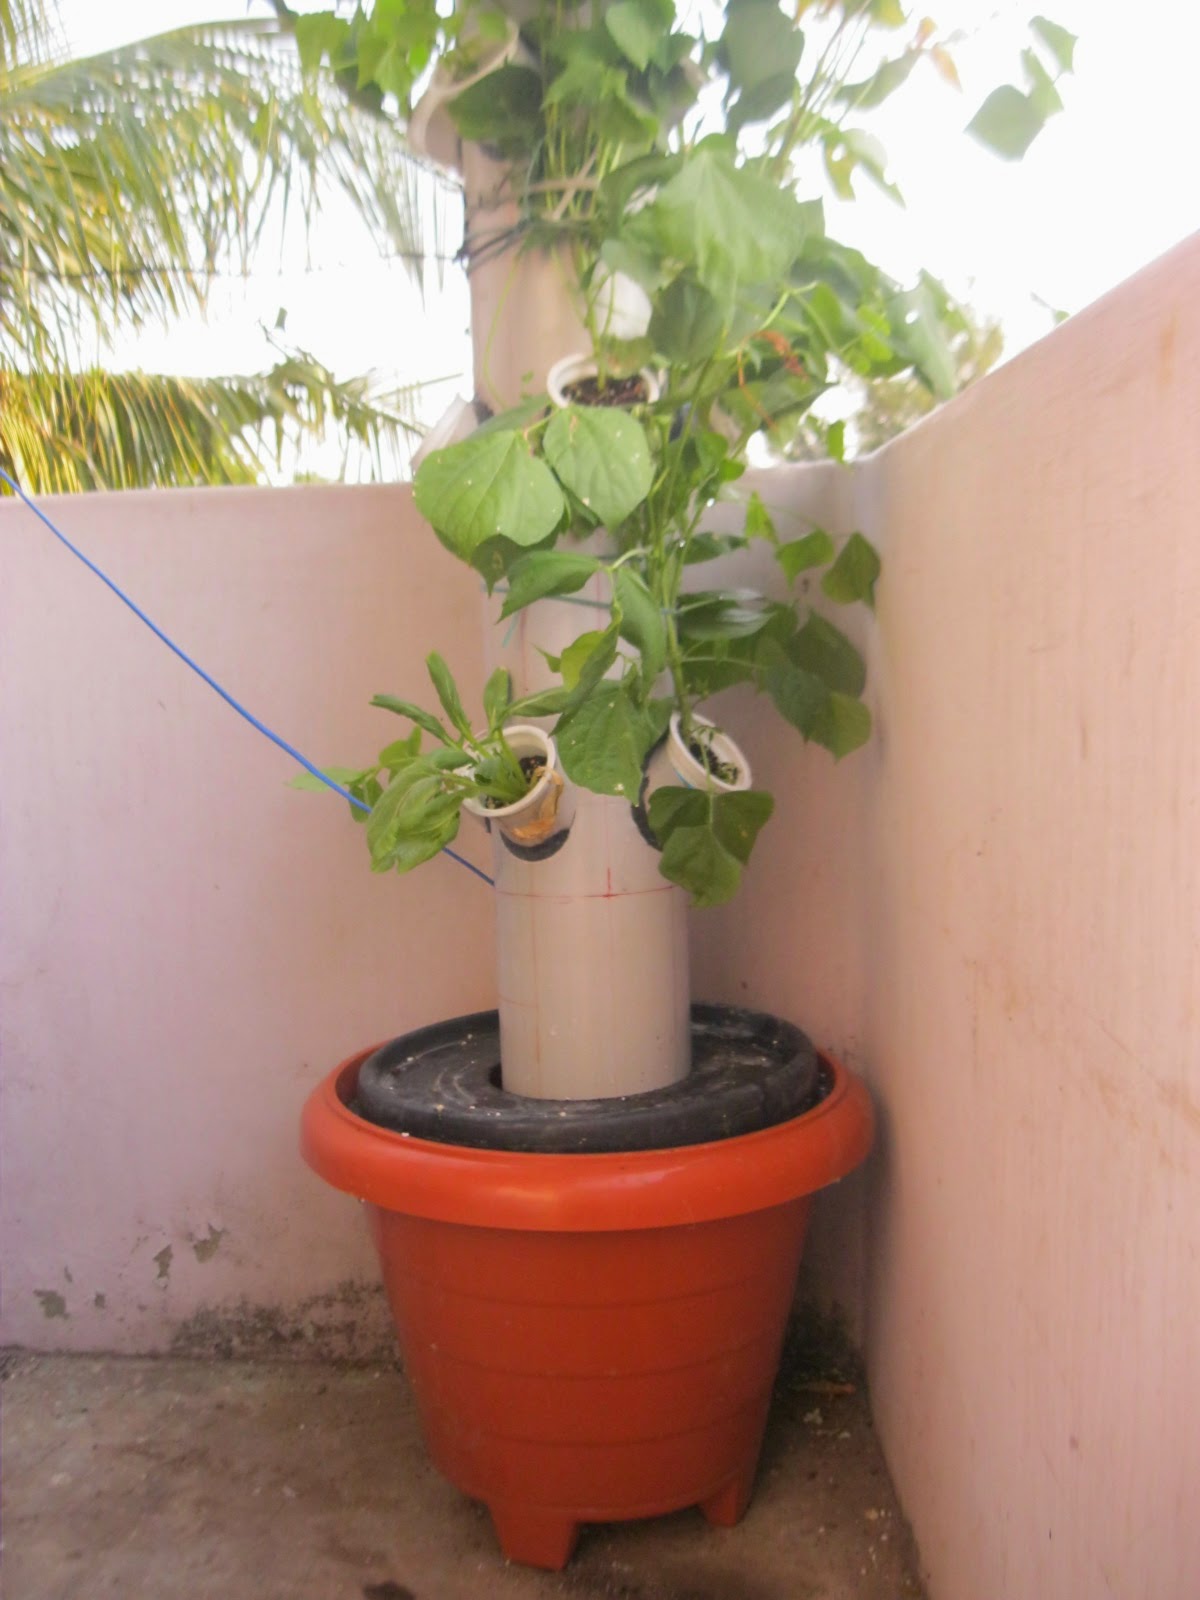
[[631, 391], [723, 771]]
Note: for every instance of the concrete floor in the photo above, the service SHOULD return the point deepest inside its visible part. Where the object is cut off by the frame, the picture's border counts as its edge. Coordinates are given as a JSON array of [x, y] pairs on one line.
[[185, 1480]]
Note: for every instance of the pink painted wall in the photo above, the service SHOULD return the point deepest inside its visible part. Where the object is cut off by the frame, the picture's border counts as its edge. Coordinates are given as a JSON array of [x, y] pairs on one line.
[[1033, 963], [997, 910], [188, 943]]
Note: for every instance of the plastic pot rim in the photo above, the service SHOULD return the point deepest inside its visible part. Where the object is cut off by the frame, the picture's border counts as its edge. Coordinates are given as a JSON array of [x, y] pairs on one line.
[[584, 1193]]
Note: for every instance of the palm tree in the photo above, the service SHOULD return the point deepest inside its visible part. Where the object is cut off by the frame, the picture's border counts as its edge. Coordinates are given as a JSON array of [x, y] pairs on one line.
[[127, 179]]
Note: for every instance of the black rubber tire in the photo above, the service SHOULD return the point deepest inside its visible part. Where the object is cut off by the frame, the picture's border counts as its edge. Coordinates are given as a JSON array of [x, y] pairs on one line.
[[749, 1071]]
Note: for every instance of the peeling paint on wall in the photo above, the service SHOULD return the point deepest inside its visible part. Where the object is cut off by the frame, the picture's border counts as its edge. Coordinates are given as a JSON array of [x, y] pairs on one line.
[[100, 1302], [163, 1262], [205, 1249], [52, 1303]]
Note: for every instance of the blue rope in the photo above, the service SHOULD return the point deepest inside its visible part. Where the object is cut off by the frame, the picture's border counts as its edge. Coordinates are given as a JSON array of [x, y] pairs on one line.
[[208, 678]]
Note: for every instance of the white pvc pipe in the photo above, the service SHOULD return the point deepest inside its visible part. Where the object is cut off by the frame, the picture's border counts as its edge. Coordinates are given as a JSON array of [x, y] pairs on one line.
[[592, 963], [592, 941]]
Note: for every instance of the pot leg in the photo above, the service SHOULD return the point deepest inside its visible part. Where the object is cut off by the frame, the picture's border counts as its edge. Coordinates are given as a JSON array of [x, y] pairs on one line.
[[728, 1505], [534, 1538]]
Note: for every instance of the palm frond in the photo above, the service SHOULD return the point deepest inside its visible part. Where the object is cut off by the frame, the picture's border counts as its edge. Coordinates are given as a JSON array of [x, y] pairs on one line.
[[29, 31], [128, 176], [62, 432]]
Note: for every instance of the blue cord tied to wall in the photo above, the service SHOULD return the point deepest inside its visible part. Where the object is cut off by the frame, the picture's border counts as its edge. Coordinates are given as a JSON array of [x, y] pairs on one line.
[[212, 683]]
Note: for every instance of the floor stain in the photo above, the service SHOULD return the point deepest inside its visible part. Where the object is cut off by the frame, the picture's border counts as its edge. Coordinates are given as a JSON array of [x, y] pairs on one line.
[[387, 1591]]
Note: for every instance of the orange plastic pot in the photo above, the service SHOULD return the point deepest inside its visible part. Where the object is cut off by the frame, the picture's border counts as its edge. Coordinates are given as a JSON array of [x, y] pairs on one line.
[[590, 1338]]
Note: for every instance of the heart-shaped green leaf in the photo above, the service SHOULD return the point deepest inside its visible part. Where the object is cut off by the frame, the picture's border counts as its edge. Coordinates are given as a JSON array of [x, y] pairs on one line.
[[852, 576], [636, 26], [731, 225], [707, 838], [606, 741], [838, 722], [601, 455], [488, 486]]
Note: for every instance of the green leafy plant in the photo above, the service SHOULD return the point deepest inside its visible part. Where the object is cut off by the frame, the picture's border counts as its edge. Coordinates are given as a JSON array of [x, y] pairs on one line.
[[414, 798], [753, 313]]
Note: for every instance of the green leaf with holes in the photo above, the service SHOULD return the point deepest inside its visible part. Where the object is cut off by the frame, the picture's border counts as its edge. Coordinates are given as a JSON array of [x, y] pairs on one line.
[[602, 456], [487, 487]]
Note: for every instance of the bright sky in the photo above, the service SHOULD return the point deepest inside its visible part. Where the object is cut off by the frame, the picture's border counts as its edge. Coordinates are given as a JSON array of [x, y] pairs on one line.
[[1108, 186]]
